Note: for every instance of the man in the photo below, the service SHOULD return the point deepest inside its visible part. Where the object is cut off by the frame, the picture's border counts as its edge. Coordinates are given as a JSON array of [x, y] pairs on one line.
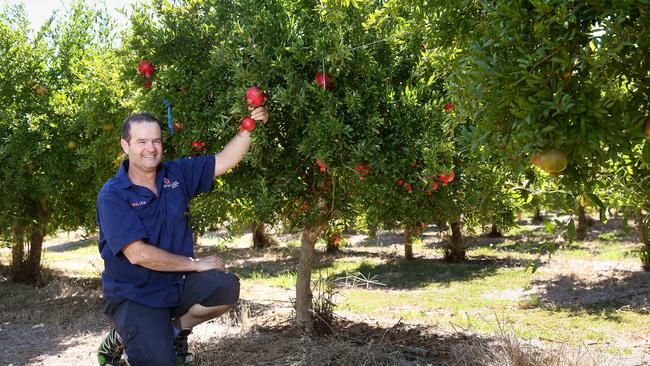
[[155, 291]]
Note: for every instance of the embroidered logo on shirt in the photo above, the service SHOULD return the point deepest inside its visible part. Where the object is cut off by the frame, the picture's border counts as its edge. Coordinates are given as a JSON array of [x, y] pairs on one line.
[[169, 184], [138, 203]]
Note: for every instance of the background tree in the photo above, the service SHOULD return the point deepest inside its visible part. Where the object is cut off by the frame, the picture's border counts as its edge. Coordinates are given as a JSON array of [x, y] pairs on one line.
[[561, 79], [59, 99]]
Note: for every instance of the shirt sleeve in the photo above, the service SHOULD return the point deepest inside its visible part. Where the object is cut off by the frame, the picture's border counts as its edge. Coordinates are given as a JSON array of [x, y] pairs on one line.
[[198, 173], [119, 222]]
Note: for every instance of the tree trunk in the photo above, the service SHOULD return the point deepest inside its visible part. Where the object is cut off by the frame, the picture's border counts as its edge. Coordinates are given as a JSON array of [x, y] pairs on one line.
[[495, 233], [409, 232], [28, 269], [372, 232], [261, 239], [17, 251], [35, 250], [304, 305], [644, 236], [602, 215], [538, 216], [581, 229], [455, 249]]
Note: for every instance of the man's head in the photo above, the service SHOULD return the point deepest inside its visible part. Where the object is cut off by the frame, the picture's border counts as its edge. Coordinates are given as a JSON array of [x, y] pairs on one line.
[[136, 118], [142, 141]]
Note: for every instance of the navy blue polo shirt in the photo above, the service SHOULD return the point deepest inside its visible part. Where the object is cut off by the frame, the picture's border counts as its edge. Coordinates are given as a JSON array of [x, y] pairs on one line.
[[127, 212]]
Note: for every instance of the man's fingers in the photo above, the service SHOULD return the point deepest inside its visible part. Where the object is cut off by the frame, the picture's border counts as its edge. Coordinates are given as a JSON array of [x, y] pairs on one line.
[[213, 262], [260, 114]]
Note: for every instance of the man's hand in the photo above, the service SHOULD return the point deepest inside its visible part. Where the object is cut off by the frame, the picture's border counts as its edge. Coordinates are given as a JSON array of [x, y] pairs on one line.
[[259, 114], [208, 263], [154, 258]]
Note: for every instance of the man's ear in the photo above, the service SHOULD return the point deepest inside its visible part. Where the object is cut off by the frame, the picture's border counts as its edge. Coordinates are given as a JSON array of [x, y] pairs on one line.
[[125, 146]]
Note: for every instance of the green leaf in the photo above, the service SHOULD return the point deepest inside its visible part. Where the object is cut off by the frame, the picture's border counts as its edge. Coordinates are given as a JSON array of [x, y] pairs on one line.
[[549, 226], [596, 200], [645, 154], [533, 265], [571, 231], [530, 198]]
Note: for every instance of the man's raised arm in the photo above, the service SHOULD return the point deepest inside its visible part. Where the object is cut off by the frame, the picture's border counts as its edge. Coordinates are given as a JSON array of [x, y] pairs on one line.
[[235, 149]]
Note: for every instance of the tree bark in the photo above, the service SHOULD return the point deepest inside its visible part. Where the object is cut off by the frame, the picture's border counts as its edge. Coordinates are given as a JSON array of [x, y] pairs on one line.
[[581, 229], [37, 235], [409, 232], [644, 236], [304, 305], [17, 251], [372, 232], [261, 239], [455, 249], [538, 216], [26, 267]]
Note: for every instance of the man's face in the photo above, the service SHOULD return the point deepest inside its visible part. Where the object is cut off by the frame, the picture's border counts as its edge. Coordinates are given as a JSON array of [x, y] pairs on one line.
[[145, 147]]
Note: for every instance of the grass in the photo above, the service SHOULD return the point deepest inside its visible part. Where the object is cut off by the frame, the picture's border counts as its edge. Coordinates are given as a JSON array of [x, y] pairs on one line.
[[65, 252], [286, 278], [478, 294], [613, 251], [472, 295], [466, 306], [489, 290]]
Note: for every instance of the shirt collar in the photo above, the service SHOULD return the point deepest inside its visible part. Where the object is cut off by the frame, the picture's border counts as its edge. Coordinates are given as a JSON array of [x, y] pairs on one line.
[[125, 182], [123, 175]]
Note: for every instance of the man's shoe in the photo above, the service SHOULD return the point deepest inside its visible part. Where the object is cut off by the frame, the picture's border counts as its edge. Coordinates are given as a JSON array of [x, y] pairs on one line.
[[183, 356], [111, 350]]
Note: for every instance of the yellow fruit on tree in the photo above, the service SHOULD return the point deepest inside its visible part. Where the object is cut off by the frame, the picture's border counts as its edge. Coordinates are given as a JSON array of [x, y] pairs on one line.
[[553, 161]]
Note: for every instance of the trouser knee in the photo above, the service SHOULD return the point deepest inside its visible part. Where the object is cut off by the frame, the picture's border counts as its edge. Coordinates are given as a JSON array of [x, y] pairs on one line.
[[232, 289]]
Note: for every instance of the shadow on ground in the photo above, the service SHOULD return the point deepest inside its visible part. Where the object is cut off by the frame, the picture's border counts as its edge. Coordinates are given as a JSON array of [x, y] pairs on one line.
[[38, 321], [73, 245], [348, 343], [358, 343], [416, 273], [394, 272], [606, 294]]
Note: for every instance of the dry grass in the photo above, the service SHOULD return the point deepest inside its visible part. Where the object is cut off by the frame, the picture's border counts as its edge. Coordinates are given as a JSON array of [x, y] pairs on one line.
[[278, 349], [506, 349], [254, 341]]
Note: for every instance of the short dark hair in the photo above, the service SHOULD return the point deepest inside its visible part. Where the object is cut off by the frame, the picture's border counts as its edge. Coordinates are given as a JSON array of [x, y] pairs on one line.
[[136, 118]]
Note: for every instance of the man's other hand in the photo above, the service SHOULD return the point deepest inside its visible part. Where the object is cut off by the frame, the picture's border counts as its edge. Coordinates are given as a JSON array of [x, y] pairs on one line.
[[208, 263]]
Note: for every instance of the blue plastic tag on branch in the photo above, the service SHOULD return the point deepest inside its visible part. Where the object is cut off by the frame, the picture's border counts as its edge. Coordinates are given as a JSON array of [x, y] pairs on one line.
[[169, 116]]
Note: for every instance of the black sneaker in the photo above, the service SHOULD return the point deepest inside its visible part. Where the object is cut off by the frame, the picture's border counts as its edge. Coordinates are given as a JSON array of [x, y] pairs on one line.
[[111, 350], [183, 356]]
